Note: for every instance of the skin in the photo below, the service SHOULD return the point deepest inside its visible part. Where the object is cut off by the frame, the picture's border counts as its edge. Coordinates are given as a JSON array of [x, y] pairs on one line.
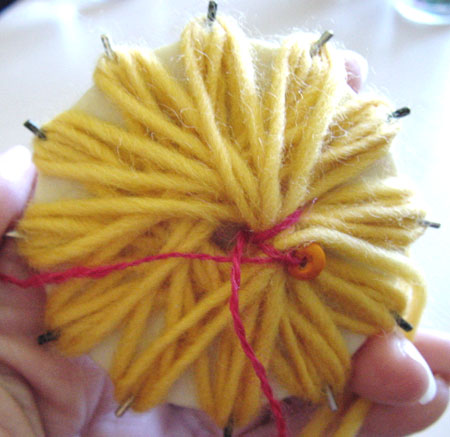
[[44, 394]]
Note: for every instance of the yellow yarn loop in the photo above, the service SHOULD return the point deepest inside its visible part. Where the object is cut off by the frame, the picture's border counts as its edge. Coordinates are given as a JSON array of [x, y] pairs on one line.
[[222, 146]]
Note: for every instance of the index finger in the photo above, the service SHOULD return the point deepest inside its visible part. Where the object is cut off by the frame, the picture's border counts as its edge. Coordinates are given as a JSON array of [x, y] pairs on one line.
[[17, 174]]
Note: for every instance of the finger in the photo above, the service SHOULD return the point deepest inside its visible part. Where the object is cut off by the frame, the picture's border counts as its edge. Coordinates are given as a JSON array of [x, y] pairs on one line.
[[388, 369], [388, 421], [17, 174], [435, 347], [356, 66], [21, 309], [67, 391]]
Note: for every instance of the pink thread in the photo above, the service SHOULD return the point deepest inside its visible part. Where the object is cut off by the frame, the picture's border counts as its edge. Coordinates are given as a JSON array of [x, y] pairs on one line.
[[237, 259], [290, 220], [240, 332]]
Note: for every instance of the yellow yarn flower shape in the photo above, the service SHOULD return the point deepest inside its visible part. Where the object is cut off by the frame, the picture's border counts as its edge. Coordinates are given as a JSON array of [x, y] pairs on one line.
[[224, 134]]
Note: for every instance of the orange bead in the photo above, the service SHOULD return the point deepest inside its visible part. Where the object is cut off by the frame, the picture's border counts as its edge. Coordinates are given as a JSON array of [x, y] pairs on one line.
[[315, 261]]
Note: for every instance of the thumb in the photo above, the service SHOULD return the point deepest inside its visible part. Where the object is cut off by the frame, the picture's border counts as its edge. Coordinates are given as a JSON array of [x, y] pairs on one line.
[[17, 175]]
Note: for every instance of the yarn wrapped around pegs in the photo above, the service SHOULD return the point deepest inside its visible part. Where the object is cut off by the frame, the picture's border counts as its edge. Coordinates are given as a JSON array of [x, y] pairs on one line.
[[221, 141]]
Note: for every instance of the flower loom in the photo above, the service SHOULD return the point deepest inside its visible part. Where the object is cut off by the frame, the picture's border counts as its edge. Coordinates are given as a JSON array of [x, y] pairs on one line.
[[225, 151]]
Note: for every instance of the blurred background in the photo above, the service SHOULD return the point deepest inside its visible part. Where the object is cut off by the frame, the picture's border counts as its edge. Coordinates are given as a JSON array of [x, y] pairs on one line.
[[48, 50]]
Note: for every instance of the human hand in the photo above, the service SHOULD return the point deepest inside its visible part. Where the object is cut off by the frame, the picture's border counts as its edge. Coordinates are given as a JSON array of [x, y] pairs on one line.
[[42, 393]]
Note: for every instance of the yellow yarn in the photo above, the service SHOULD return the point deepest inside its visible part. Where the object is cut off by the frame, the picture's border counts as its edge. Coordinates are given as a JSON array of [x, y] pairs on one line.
[[193, 156]]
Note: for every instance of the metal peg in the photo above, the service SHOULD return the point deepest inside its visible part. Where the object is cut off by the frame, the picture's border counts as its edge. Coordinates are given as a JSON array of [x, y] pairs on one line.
[[212, 12], [400, 113], [36, 131], [14, 234], [110, 53], [324, 38], [331, 400], [429, 224], [123, 408], [228, 430], [402, 323], [47, 337]]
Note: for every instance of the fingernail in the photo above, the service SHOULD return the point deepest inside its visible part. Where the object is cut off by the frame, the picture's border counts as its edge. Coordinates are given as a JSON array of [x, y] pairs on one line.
[[15, 163], [410, 350], [357, 69]]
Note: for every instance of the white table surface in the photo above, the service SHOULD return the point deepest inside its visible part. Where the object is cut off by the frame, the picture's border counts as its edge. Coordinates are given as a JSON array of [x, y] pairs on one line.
[[48, 49]]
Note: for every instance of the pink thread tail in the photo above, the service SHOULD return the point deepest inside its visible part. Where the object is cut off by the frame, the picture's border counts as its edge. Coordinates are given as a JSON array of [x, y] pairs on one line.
[[236, 259]]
